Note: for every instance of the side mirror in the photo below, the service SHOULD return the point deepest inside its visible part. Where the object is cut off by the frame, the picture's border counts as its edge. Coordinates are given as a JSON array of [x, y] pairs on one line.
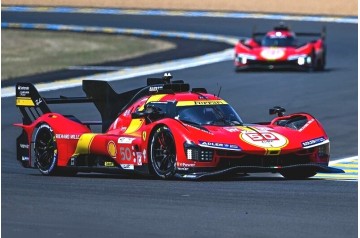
[[277, 110], [137, 115], [150, 111]]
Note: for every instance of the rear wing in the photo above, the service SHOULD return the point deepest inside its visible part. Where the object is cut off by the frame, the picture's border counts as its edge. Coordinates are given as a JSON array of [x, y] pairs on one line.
[[108, 102], [321, 34], [32, 105]]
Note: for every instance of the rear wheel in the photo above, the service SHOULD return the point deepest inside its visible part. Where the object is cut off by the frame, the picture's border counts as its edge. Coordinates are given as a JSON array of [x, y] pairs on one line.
[[45, 150], [46, 153], [323, 61], [314, 63], [163, 153], [298, 174]]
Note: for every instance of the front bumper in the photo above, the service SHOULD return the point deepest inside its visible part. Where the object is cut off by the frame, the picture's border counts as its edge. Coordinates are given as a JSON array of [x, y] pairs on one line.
[[257, 169], [270, 65]]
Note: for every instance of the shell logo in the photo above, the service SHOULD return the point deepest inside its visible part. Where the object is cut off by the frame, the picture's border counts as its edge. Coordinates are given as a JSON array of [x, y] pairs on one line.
[[111, 148], [272, 53], [264, 139]]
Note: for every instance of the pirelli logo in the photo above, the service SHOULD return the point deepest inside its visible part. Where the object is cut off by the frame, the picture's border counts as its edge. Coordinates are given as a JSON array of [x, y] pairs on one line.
[[24, 101], [201, 103]]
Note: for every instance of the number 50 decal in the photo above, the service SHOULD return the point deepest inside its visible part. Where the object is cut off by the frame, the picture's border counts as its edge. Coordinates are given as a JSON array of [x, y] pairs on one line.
[[264, 140], [125, 153], [262, 136]]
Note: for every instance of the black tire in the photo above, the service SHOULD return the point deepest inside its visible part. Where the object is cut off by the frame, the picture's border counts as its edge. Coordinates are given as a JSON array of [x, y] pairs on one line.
[[323, 61], [45, 150], [163, 153], [298, 174], [314, 62]]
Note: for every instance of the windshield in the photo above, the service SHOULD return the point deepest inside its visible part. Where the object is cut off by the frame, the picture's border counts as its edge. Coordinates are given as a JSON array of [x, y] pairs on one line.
[[222, 115], [278, 41]]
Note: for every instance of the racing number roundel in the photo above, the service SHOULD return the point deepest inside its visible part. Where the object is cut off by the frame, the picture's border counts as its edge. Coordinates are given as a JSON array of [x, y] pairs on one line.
[[272, 53], [264, 139]]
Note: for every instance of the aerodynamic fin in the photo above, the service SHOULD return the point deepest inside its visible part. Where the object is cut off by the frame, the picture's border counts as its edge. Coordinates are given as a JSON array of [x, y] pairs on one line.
[[29, 102]]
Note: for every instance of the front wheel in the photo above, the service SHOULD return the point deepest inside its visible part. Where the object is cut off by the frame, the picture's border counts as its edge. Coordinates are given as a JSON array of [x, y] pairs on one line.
[[298, 174], [163, 153]]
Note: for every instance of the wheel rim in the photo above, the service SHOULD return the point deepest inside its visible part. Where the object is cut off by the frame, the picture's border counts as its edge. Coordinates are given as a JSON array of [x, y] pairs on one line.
[[45, 149], [163, 152]]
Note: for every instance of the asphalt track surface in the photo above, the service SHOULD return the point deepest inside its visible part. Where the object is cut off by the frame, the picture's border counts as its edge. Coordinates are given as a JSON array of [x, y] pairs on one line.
[[94, 205]]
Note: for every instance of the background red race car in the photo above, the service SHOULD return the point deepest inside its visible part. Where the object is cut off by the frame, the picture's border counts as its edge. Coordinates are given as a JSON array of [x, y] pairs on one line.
[[281, 48], [168, 130]]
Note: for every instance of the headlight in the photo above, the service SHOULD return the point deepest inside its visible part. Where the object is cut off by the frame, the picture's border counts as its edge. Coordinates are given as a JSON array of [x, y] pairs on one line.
[[296, 57], [301, 61], [197, 153], [246, 56]]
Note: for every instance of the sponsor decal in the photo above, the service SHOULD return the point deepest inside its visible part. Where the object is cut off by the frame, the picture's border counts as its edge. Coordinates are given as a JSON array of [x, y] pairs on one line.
[[109, 164], [24, 101], [138, 158], [67, 136], [182, 169], [198, 128], [155, 88], [200, 103], [38, 101], [218, 145], [24, 146], [313, 141], [126, 113], [125, 140], [111, 148], [127, 166], [189, 176], [231, 129], [180, 164], [23, 88], [306, 125], [144, 155], [24, 93], [264, 139], [272, 53], [24, 158]]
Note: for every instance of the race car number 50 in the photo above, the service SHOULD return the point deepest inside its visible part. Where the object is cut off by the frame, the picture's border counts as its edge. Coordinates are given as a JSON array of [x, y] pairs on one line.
[[264, 139], [261, 136], [125, 153]]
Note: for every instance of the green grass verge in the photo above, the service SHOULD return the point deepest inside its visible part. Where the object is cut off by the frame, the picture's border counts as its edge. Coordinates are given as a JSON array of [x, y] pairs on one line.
[[26, 52]]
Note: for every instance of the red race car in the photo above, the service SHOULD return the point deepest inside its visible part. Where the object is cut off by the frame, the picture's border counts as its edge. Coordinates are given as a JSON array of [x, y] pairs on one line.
[[167, 130], [281, 49]]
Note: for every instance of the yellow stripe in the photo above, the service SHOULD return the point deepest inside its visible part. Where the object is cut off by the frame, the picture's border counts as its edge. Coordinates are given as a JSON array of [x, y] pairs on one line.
[[346, 165], [153, 98], [83, 145], [339, 176], [109, 30], [24, 101], [200, 103], [135, 125], [350, 170]]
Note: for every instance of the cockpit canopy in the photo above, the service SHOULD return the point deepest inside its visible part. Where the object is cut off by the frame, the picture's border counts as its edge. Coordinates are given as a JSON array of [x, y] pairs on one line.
[[221, 115], [279, 40]]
